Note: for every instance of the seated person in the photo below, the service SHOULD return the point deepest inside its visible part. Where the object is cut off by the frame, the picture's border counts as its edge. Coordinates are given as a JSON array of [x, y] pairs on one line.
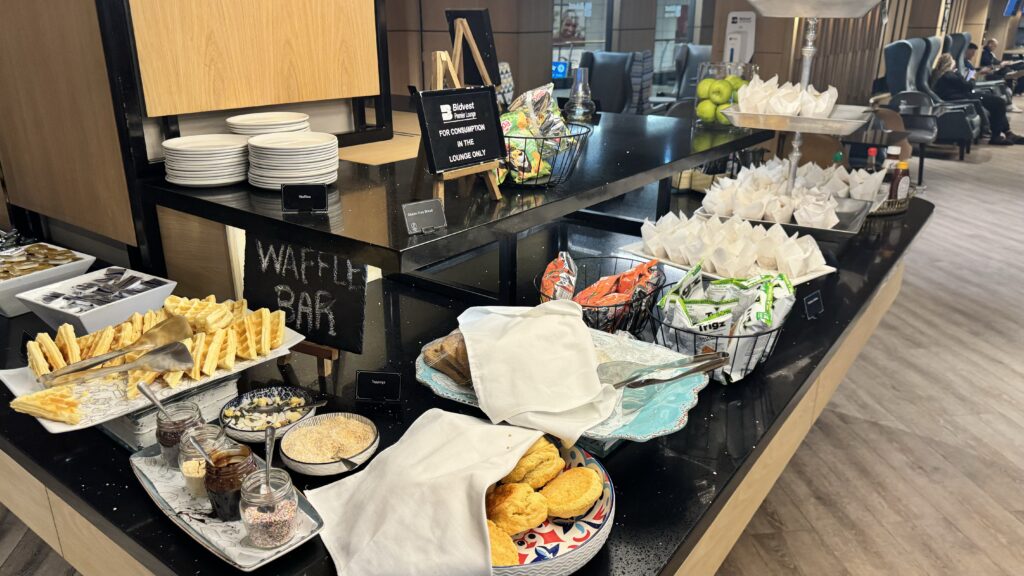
[[972, 73], [992, 66], [949, 85]]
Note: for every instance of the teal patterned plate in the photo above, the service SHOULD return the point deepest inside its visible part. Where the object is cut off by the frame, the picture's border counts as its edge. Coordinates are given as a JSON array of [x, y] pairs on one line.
[[642, 413]]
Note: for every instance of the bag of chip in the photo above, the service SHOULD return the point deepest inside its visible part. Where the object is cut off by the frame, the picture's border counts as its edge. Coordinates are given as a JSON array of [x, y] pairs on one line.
[[559, 280]]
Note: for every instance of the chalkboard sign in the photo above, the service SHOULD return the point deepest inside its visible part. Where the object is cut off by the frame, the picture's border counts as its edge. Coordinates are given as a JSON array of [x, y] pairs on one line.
[[461, 127], [323, 294], [480, 24]]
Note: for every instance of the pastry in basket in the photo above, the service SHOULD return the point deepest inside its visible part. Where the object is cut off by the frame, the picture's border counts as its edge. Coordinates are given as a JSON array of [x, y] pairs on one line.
[[516, 508], [573, 492], [538, 466], [503, 549], [449, 356]]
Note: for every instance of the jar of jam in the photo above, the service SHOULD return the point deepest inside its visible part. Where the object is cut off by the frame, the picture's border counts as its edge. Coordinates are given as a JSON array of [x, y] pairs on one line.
[[270, 515], [191, 463], [169, 428], [224, 480]]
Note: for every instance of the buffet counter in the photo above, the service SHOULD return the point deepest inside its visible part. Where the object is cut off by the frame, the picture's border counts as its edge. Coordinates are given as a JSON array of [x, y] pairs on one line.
[[682, 499]]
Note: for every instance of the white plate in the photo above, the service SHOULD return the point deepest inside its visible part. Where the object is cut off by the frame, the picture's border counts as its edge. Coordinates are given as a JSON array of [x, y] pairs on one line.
[[304, 127], [108, 401], [267, 118], [293, 141], [206, 183], [295, 160], [207, 142], [637, 249]]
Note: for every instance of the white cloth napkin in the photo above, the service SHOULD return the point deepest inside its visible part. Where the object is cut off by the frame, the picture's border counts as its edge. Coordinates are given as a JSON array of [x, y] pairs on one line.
[[396, 516], [536, 368]]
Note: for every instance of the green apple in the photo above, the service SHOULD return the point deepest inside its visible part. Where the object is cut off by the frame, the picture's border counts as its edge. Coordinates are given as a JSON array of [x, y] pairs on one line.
[[720, 117], [704, 88], [706, 111], [721, 92], [735, 81]]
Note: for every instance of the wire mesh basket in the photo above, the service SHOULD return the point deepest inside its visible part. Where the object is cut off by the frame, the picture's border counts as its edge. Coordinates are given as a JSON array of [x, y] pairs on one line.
[[746, 352], [895, 206], [544, 161], [632, 316]]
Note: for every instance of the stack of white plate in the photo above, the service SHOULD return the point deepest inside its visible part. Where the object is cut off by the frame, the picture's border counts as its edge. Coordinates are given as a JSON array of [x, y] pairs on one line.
[[206, 160], [268, 122], [292, 158]]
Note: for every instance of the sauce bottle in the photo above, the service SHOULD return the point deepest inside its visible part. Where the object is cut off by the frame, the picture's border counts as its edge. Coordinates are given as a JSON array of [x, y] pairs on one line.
[[899, 184]]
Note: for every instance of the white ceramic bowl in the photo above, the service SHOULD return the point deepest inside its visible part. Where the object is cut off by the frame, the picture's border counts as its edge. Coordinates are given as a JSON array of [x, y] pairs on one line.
[[330, 468], [9, 289], [253, 436], [102, 316]]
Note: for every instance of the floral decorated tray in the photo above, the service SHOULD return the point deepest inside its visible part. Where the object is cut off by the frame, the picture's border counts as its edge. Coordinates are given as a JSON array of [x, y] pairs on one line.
[[561, 547], [166, 486], [642, 414]]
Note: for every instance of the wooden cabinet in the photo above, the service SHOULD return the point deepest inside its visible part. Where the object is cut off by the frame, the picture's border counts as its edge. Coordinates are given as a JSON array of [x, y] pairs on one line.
[[200, 55]]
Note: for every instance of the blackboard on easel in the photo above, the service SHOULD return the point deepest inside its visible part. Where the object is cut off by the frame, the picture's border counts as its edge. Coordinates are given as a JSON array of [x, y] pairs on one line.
[[480, 24], [322, 293]]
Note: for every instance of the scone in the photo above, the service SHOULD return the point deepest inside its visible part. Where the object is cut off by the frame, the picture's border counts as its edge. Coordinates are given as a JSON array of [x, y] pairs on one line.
[[516, 507], [573, 492], [538, 466], [449, 356], [503, 549]]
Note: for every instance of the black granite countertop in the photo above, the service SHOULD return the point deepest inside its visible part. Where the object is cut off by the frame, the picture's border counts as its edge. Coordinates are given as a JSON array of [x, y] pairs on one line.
[[364, 219], [668, 489]]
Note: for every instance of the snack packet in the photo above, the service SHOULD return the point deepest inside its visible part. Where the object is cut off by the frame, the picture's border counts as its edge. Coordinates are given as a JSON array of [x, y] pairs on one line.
[[559, 280], [772, 303], [606, 302]]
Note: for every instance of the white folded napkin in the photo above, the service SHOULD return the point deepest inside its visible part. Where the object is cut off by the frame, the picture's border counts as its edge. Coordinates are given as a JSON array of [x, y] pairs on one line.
[[418, 507], [536, 367]]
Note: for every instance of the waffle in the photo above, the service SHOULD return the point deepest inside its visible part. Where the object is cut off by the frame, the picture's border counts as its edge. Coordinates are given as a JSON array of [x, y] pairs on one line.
[[276, 329], [102, 342], [198, 348], [259, 321], [137, 322], [68, 344], [59, 404], [211, 355], [246, 339], [50, 351], [172, 379], [203, 315], [137, 376], [36, 361], [226, 358], [148, 321], [238, 308]]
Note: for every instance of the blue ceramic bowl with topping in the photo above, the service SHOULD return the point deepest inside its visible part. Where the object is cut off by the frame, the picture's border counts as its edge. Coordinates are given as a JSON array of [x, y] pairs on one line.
[[244, 425]]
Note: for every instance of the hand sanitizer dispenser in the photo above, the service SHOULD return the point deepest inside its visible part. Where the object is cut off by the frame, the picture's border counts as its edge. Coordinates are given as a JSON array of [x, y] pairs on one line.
[[739, 36]]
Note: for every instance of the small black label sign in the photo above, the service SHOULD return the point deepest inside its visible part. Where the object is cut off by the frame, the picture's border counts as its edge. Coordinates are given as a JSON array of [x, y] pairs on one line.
[[461, 127], [424, 217], [378, 386], [304, 198], [323, 294], [813, 305]]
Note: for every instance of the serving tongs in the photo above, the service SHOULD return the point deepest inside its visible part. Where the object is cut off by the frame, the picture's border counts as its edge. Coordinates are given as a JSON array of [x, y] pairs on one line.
[[624, 373], [173, 329], [171, 357]]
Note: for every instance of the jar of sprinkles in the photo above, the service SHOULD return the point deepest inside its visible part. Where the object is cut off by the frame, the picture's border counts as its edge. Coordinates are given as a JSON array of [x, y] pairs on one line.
[[270, 514]]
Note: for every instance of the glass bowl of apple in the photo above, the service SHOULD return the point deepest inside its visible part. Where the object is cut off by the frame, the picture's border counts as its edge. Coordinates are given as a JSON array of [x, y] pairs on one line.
[[717, 89]]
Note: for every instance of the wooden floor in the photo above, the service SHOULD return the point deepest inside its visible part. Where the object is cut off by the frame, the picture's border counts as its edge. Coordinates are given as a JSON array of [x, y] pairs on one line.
[[917, 465]]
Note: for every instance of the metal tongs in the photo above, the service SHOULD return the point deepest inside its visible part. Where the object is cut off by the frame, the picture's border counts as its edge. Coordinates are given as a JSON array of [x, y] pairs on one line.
[[624, 373], [173, 329], [167, 358]]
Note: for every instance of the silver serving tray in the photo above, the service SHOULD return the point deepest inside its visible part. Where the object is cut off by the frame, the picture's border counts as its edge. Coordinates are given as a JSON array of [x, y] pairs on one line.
[[195, 517], [844, 120], [852, 214], [813, 8]]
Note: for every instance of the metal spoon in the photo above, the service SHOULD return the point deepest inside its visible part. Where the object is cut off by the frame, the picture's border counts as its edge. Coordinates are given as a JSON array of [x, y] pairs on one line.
[[167, 358], [620, 372], [199, 448], [173, 329], [144, 388], [270, 435]]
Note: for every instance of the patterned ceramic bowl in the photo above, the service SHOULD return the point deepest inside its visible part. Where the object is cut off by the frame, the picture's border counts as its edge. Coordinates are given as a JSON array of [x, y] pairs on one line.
[[560, 547], [269, 392], [331, 468]]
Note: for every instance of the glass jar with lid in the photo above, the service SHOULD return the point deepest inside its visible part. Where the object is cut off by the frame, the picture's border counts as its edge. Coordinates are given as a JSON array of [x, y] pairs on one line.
[[169, 428], [270, 515], [224, 479], [191, 463]]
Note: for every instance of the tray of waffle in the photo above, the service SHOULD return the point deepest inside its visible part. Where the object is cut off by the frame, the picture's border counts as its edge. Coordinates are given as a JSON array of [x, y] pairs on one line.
[[227, 338]]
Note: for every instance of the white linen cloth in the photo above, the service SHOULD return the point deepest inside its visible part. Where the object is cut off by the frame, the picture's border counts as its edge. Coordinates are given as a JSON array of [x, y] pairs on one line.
[[536, 368], [418, 507]]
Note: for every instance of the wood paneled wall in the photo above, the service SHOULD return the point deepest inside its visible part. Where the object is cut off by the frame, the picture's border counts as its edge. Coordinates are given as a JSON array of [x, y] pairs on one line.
[[202, 55], [59, 146]]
